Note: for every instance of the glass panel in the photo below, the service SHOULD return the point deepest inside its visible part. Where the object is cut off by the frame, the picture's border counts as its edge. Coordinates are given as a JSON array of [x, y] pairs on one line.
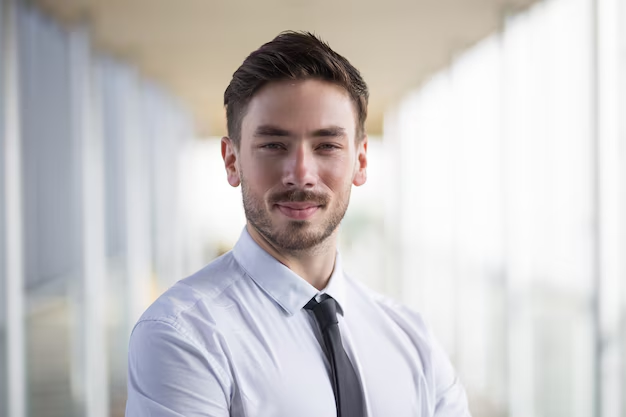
[[51, 218], [49, 165]]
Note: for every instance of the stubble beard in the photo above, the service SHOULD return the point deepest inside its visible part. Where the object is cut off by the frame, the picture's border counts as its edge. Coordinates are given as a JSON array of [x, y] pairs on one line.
[[298, 235]]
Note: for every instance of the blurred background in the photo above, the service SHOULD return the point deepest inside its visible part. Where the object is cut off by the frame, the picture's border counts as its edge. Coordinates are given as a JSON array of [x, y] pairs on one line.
[[495, 204]]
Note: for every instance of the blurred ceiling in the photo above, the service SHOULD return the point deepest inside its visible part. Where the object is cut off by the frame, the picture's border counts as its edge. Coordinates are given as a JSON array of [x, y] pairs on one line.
[[192, 47]]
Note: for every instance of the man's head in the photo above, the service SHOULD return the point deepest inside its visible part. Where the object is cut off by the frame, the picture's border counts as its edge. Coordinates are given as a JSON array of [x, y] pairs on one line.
[[295, 112]]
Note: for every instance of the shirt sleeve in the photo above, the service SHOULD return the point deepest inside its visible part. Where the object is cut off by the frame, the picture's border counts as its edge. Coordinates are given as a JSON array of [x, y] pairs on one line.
[[450, 397], [171, 376]]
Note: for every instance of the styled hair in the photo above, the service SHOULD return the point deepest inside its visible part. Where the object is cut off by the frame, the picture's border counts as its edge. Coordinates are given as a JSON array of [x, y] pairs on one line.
[[292, 56]]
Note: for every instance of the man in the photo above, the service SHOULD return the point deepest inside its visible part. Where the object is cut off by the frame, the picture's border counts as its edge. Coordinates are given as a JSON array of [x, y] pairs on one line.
[[274, 327]]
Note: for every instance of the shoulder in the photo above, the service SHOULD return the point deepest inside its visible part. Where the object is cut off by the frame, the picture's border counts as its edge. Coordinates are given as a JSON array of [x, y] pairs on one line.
[[208, 284], [404, 323], [394, 309], [187, 307]]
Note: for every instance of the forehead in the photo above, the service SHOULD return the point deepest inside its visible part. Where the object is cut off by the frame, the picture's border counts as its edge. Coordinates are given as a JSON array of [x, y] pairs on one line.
[[300, 106]]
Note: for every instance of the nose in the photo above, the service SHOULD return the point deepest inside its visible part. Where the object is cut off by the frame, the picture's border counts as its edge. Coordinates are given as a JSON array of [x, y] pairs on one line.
[[300, 168]]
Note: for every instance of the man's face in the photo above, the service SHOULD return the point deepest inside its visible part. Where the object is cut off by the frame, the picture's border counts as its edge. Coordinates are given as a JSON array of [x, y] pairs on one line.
[[297, 161]]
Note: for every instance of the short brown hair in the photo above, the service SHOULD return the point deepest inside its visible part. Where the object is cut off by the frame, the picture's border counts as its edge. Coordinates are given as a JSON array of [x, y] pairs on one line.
[[292, 56]]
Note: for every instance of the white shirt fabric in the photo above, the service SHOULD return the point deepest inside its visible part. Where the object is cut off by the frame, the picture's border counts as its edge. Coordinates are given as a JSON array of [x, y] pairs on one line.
[[234, 340]]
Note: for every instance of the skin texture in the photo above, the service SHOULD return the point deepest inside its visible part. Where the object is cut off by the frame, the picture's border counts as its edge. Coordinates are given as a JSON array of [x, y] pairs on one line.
[[296, 162]]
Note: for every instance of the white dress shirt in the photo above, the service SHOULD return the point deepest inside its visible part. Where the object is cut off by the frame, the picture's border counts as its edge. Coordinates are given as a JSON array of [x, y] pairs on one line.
[[234, 340]]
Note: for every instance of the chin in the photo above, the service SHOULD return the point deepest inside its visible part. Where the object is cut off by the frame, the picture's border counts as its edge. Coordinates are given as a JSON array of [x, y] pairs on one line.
[[287, 224]]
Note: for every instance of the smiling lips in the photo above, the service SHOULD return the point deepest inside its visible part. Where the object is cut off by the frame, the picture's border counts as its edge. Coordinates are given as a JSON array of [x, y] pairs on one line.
[[298, 210]]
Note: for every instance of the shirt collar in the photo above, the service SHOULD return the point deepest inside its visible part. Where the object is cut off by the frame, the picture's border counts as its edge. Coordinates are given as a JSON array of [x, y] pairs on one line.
[[283, 285]]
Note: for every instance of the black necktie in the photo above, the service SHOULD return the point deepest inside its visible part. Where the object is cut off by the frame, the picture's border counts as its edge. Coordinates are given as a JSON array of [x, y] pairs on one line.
[[346, 386]]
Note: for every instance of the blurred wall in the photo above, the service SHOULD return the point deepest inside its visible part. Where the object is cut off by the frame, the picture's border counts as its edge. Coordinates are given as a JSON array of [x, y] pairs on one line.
[[510, 224], [92, 215]]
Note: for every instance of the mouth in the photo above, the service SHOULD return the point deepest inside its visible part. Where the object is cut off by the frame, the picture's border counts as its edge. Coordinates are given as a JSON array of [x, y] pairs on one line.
[[298, 210]]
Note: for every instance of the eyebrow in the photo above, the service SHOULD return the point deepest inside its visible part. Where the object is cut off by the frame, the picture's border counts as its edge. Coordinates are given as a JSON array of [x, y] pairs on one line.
[[269, 130], [332, 131]]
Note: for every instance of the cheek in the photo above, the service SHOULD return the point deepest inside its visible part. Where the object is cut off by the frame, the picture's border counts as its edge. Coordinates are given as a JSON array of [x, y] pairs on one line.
[[337, 176], [262, 173]]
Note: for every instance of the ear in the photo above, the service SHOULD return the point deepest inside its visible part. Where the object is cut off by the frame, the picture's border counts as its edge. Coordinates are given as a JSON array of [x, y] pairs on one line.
[[229, 155], [360, 176]]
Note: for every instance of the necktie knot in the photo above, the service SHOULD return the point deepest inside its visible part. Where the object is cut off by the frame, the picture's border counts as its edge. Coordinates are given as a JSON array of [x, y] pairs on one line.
[[325, 311]]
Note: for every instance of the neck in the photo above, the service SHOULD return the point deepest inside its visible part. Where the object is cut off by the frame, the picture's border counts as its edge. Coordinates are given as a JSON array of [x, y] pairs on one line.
[[315, 265]]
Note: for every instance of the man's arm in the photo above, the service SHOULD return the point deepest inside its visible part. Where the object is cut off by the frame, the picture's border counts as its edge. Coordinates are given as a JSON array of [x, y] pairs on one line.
[[451, 399], [171, 376]]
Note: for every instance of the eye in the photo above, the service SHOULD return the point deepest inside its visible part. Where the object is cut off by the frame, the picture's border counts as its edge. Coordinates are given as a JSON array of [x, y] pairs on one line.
[[328, 147], [272, 146]]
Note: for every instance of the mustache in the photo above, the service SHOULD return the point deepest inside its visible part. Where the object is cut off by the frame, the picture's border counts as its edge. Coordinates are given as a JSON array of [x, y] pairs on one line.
[[299, 196]]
